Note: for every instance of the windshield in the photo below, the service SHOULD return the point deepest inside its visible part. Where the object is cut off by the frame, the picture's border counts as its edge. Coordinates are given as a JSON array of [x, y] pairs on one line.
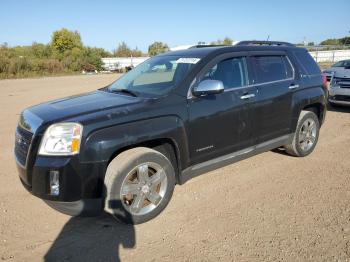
[[338, 64], [344, 63], [154, 77]]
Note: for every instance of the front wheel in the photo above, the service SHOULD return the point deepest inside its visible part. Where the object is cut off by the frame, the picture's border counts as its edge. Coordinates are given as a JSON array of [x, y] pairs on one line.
[[138, 185], [305, 136]]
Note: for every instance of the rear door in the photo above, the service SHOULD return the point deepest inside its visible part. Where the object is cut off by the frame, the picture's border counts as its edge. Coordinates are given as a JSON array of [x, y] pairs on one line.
[[275, 81]]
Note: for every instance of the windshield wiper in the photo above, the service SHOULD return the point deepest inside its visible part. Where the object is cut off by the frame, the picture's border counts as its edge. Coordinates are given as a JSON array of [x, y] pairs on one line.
[[125, 91]]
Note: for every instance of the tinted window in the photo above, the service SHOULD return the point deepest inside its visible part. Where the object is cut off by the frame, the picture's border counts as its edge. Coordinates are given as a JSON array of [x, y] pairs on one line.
[[232, 72], [307, 63], [271, 68]]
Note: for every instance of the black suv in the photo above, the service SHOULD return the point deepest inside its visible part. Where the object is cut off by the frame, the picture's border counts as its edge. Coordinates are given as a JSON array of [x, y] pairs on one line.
[[123, 147]]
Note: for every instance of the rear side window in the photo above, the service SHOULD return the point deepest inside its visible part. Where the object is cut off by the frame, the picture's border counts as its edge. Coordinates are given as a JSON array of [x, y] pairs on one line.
[[271, 68], [307, 63]]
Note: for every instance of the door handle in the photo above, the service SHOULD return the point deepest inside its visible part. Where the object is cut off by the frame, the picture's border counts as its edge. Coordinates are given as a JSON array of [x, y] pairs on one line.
[[293, 86], [247, 96]]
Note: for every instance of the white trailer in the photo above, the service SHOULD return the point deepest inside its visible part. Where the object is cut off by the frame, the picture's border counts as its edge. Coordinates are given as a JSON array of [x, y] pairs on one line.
[[120, 63]]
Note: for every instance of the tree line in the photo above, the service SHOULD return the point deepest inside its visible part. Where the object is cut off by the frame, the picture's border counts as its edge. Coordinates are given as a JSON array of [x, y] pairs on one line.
[[337, 41], [66, 54], [63, 55]]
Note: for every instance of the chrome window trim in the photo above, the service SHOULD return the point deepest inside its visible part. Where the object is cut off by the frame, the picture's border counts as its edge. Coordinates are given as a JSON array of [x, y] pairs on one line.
[[290, 63], [260, 84], [191, 96]]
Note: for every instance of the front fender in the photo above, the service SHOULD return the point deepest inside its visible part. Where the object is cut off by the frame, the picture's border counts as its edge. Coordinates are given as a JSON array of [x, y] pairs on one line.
[[102, 144]]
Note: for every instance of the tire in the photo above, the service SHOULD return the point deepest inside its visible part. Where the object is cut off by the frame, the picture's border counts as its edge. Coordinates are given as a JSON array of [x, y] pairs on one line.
[[306, 135], [139, 184]]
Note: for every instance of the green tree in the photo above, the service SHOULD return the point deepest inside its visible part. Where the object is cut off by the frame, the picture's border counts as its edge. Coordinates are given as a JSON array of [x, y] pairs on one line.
[[4, 60], [226, 41], [136, 53], [123, 50], [63, 40], [157, 48], [330, 41], [93, 58], [40, 50], [345, 40], [65, 53], [100, 52]]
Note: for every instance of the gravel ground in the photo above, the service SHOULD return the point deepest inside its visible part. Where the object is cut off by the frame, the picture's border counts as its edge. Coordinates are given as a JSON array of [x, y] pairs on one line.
[[266, 208]]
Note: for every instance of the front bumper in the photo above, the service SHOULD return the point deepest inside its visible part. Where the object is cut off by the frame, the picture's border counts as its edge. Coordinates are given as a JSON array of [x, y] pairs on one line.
[[80, 184], [340, 96], [338, 102]]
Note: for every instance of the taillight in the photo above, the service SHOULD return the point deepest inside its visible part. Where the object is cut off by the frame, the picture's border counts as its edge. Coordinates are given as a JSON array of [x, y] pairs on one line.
[[324, 81]]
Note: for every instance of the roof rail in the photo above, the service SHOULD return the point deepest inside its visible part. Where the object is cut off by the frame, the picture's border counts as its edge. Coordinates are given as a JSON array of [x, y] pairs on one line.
[[209, 45], [270, 43]]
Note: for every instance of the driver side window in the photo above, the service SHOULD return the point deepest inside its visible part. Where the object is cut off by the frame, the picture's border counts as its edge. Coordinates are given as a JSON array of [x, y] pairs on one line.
[[232, 72]]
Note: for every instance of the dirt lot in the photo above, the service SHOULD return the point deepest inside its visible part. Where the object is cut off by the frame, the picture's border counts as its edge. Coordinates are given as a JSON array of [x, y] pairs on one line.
[[269, 207]]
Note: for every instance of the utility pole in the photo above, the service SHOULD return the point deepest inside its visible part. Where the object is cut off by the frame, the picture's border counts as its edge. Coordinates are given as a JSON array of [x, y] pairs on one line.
[[304, 41]]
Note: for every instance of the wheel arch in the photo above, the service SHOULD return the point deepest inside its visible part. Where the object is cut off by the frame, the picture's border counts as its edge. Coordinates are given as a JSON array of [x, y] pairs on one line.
[[308, 99], [166, 134], [318, 109], [166, 146]]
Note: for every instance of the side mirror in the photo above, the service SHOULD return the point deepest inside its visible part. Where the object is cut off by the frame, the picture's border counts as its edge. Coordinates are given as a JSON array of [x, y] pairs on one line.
[[208, 87]]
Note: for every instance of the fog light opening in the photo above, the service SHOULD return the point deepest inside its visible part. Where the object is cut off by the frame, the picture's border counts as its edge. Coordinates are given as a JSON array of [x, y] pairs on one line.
[[54, 183]]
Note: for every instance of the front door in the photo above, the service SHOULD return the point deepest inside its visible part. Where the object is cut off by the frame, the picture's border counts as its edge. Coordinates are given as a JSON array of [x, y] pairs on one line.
[[220, 124]]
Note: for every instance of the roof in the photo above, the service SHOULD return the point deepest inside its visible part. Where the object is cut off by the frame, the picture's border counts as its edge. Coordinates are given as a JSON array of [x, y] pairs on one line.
[[203, 51], [193, 52]]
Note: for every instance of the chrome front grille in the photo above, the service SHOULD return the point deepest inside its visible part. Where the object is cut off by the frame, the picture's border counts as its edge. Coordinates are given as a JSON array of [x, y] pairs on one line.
[[23, 140], [343, 82]]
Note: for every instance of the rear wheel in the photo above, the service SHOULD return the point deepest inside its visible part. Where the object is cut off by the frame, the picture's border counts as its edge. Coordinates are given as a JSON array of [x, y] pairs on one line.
[[305, 136], [138, 185]]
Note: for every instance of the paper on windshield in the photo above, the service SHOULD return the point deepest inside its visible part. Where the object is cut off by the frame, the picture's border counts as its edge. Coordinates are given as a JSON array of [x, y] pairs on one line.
[[188, 60]]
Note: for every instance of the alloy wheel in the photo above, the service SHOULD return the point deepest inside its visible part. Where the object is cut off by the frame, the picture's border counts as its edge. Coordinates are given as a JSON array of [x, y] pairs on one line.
[[143, 188], [307, 134]]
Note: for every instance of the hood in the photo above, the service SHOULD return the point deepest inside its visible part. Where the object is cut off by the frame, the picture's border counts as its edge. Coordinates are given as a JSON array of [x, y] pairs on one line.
[[340, 72], [78, 105]]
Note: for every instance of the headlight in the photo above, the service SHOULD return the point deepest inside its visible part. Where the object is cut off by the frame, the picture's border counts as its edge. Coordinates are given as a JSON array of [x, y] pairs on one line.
[[61, 139], [334, 83]]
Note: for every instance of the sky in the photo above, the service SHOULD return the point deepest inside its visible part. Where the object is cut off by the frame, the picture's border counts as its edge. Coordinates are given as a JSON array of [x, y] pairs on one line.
[[177, 22]]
